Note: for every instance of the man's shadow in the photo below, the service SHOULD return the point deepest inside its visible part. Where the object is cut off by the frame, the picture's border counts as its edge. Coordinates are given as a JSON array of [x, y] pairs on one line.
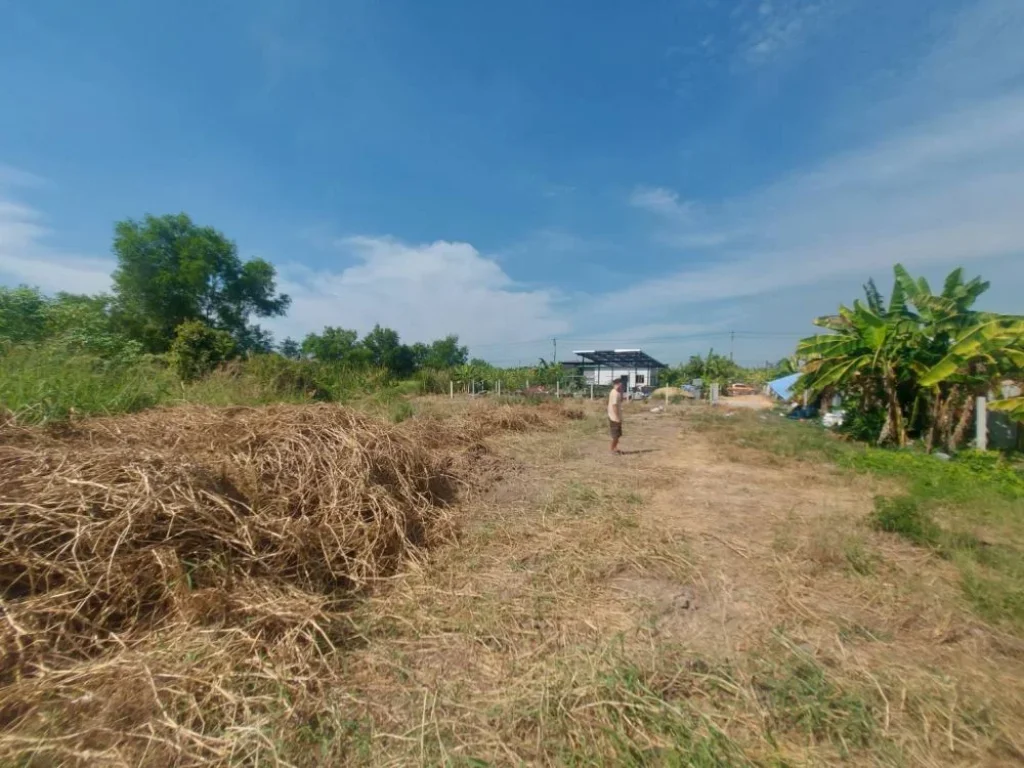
[[634, 453]]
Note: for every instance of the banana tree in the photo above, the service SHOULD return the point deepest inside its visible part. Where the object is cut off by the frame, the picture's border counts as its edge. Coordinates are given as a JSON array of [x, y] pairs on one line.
[[868, 352], [964, 351], [1013, 406], [978, 358]]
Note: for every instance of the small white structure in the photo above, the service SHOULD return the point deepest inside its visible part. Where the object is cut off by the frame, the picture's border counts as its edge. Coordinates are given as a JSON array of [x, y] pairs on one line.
[[602, 367]]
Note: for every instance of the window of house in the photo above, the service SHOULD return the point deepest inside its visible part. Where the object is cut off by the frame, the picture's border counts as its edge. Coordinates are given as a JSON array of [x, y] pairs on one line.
[[639, 378]]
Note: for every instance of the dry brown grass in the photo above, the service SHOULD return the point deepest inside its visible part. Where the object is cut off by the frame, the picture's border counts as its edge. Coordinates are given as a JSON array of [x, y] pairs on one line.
[[175, 582]]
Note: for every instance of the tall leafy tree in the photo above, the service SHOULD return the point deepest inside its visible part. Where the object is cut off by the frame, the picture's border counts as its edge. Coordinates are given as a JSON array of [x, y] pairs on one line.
[[387, 351], [335, 345], [170, 270], [441, 354]]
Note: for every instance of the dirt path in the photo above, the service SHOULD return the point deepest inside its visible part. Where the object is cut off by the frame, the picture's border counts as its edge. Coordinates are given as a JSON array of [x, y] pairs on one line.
[[691, 597]]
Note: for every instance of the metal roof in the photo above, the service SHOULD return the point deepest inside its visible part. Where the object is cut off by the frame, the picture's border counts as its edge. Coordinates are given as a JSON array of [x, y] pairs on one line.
[[619, 358]]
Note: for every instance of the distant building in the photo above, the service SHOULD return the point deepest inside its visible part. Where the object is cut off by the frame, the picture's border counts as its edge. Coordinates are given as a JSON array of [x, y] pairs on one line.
[[602, 367]]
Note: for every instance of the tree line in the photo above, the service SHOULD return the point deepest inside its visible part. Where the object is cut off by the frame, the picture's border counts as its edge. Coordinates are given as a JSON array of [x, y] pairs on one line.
[[182, 291]]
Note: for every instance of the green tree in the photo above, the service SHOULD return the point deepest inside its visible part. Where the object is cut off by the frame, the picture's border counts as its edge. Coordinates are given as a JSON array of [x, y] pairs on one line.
[[290, 348], [197, 349], [23, 314], [336, 345], [442, 353], [387, 351], [170, 271]]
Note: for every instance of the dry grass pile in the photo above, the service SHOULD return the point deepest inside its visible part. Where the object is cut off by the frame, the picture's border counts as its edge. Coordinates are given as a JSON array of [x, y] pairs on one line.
[[172, 582]]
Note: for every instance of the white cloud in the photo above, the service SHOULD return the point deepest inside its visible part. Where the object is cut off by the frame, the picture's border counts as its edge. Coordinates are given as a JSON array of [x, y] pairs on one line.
[[423, 291], [25, 256]]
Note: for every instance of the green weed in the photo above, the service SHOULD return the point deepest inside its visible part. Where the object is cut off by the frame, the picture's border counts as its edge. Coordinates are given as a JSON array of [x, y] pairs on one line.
[[800, 696], [903, 515]]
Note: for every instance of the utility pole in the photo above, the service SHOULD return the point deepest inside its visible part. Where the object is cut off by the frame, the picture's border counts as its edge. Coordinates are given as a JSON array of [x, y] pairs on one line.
[[732, 339], [554, 351]]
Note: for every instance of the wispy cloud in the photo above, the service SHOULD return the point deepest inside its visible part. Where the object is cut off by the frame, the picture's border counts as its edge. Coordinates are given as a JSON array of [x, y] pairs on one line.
[[768, 29], [660, 200], [943, 192], [945, 189], [14, 177], [25, 255]]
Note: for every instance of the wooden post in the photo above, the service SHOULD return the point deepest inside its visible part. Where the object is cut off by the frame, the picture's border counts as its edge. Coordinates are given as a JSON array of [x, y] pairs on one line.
[[451, 390], [499, 387], [981, 424]]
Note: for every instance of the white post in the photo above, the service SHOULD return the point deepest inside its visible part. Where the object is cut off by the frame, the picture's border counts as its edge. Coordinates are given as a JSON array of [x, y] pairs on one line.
[[472, 387], [981, 424], [591, 391], [527, 384], [451, 389], [499, 387], [558, 388], [666, 397]]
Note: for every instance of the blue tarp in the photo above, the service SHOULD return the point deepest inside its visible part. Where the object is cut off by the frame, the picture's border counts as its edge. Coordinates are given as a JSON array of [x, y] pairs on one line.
[[783, 388]]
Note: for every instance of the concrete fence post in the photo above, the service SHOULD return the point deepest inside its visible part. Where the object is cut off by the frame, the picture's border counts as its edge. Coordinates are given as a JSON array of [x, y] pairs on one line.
[[981, 424], [451, 390]]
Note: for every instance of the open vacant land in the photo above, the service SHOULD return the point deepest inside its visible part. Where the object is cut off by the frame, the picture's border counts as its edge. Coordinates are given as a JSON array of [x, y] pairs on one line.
[[485, 585]]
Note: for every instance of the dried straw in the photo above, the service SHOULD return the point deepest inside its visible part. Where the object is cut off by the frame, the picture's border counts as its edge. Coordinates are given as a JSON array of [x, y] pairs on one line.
[[173, 583]]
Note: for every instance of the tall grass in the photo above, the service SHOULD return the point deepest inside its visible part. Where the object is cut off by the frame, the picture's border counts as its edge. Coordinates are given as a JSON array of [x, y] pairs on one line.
[[40, 383]]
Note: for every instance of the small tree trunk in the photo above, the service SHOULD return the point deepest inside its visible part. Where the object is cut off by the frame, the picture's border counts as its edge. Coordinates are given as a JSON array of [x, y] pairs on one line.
[[894, 428], [957, 437], [938, 406]]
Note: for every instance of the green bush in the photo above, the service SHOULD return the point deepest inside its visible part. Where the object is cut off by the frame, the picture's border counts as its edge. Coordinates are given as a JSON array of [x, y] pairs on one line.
[[862, 424], [198, 349]]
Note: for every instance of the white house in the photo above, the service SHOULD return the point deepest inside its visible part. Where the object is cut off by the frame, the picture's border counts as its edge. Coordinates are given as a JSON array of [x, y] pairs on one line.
[[602, 367]]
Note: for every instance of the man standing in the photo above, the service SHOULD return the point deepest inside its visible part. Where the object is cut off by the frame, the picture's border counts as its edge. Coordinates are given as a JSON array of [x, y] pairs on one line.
[[615, 414]]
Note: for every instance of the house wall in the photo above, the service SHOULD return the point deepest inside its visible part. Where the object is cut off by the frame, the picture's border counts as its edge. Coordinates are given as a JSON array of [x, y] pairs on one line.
[[605, 376]]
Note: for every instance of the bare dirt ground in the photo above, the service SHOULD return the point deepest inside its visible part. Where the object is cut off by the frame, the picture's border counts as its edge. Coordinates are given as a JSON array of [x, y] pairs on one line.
[[687, 603]]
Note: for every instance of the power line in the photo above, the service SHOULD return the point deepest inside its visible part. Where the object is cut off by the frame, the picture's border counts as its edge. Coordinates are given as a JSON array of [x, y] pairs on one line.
[[646, 340]]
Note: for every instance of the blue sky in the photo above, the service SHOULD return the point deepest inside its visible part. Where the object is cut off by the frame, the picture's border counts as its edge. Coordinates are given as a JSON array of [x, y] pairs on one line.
[[651, 174]]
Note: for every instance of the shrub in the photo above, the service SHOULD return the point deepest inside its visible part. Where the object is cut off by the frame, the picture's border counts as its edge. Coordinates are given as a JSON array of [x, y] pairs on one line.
[[198, 349]]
